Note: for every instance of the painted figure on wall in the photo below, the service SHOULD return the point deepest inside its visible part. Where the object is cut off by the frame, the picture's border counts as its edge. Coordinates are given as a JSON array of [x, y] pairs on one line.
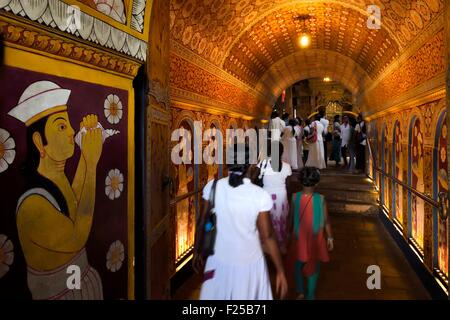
[[417, 180], [442, 187], [54, 217], [398, 166]]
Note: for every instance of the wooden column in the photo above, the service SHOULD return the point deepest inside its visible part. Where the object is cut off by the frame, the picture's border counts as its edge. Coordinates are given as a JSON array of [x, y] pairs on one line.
[[447, 61], [159, 234]]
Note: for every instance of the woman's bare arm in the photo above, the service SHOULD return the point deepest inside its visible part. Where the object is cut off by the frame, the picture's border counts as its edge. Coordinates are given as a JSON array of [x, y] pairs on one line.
[[269, 242]]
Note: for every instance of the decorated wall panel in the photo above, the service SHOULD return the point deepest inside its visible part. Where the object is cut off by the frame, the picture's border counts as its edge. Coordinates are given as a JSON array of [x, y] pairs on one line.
[[417, 181], [65, 173], [440, 184], [419, 158], [398, 166]]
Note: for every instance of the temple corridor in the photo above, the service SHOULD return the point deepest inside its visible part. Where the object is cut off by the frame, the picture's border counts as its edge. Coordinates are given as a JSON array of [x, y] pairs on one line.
[[115, 115]]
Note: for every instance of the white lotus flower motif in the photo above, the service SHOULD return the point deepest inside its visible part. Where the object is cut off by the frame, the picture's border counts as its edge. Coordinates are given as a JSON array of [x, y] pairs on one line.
[[114, 184], [113, 109], [113, 8], [7, 152], [6, 254], [115, 256]]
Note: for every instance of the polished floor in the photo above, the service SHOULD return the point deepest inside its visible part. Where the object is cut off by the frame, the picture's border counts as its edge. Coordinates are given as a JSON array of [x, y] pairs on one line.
[[361, 240]]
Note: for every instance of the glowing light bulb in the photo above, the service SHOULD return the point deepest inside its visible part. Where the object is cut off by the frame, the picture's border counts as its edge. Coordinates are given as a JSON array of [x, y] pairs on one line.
[[327, 79], [305, 40]]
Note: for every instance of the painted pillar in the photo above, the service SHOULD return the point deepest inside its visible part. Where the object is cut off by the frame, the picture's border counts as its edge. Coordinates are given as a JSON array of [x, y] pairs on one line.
[[160, 253], [428, 214], [447, 60], [405, 179]]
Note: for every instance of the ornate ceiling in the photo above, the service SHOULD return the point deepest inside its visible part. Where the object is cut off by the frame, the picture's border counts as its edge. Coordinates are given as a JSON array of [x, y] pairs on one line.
[[247, 37], [314, 63]]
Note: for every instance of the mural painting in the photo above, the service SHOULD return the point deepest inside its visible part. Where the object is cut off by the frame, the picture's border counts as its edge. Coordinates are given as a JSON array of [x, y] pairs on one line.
[[64, 144], [442, 181], [398, 172], [417, 182], [186, 207], [112, 8]]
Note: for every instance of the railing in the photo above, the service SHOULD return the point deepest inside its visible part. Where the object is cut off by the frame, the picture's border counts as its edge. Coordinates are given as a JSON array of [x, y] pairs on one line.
[[441, 205]]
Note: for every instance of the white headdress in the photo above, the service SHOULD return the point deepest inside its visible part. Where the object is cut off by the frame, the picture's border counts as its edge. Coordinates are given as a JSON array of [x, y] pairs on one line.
[[39, 100]]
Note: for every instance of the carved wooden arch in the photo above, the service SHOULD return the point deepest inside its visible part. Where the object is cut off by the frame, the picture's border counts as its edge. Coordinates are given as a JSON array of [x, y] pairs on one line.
[[182, 116], [440, 108]]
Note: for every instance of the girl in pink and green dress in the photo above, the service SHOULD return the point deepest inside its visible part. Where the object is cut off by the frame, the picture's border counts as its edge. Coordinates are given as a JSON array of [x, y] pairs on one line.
[[311, 237]]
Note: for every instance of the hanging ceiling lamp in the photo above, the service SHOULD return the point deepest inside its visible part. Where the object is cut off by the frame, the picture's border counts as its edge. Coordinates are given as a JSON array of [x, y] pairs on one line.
[[304, 39]]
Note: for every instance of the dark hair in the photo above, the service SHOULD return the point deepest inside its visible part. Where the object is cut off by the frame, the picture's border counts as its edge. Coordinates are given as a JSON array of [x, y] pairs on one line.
[[285, 116], [317, 117], [30, 166], [274, 114], [307, 122], [292, 123], [309, 176], [238, 169], [322, 113], [280, 154], [336, 118], [299, 120]]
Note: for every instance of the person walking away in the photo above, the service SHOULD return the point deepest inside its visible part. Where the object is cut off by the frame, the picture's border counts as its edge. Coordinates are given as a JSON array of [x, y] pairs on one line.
[[311, 234], [274, 181], [306, 133], [299, 141], [237, 270], [285, 118], [345, 138], [290, 145], [325, 122], [276, 126], [361, 142], [352, 145], [336, 150], [315, 156]]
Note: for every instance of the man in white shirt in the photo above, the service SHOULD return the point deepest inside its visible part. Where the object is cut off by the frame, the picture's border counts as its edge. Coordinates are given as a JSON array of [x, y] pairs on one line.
[[345, 135], [276, 126], [361, 144], [324, 121]]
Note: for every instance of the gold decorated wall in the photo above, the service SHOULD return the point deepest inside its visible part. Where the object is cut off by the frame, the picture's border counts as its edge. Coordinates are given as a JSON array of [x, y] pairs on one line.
[[410, 145]]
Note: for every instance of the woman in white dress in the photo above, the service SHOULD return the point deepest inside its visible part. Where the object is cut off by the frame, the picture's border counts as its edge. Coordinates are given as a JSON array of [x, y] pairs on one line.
[[290, 145], [274, 180], [316, 157], [299, 141], [237, 270]]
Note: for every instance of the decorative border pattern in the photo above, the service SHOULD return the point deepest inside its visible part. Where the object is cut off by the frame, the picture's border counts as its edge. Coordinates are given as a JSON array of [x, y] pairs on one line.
[[138, 14], [56, 14], [35, 38]]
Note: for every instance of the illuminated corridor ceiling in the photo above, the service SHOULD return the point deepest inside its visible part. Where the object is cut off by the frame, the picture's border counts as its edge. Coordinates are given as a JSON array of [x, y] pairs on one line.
[[256, 40]]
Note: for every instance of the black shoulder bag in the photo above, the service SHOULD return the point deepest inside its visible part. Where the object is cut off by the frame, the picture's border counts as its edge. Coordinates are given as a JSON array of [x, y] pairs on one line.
[[210, 230]]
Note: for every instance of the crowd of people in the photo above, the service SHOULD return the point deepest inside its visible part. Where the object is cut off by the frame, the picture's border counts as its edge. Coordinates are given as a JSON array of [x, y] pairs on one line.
[[255, 222], [257, 218], [306, 142]]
